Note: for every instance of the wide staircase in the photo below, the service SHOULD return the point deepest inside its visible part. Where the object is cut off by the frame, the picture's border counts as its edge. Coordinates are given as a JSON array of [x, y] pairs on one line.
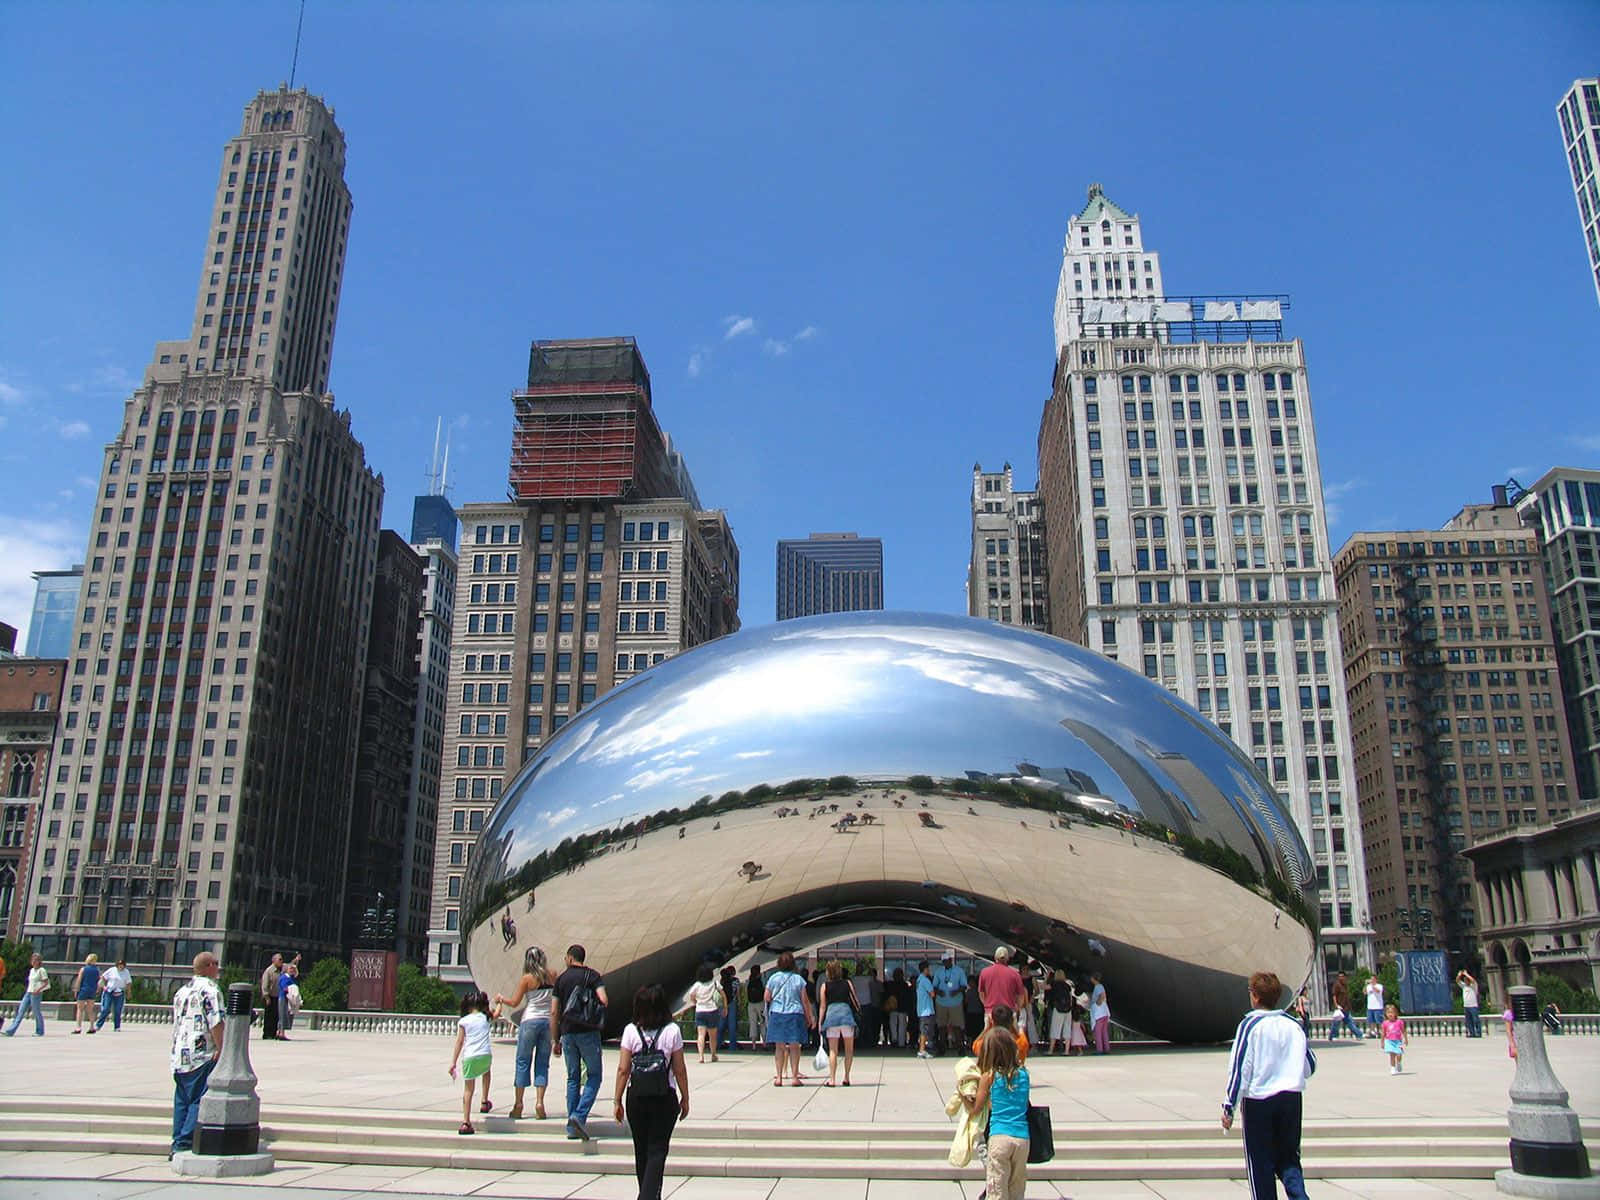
[[1347, 1149]]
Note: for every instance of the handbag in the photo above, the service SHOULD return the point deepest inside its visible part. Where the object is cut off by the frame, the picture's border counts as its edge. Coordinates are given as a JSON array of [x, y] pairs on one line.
[[1041, 1135]]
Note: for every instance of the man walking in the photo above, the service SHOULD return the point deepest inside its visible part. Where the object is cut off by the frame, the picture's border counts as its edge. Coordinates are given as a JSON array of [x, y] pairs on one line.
[[1270, 1065], [1341, 1010], [113, 986], [32, 998], [577, 1012], [949, 989], [196, 1041], [1469, 1001], [269, 998], [1374, 991]]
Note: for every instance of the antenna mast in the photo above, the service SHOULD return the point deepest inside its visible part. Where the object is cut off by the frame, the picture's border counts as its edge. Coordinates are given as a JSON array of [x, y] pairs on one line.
[[298, 25]]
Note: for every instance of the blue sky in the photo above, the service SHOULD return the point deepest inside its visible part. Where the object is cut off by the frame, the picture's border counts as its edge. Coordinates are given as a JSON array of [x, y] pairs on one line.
[[880, 190]]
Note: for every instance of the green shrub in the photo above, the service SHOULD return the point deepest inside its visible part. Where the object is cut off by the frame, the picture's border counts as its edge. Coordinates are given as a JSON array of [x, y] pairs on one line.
[[418, 992], [146, 991], [326, 987], [17, 955], [1552, 989]]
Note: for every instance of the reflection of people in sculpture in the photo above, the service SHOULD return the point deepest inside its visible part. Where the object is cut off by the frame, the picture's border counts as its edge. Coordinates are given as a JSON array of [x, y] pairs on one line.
[[530, 901], [508, 928]]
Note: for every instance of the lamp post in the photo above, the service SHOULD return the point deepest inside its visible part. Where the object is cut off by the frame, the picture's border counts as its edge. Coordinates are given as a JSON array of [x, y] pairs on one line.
[[1548, 1158], [227, 1137]]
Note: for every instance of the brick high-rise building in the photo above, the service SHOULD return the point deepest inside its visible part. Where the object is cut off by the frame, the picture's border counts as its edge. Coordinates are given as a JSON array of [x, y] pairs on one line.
[[1450, 668], [201, 795], [1579, 113], [1006, 575], [1185, 530], [30, 703], [597, 571]]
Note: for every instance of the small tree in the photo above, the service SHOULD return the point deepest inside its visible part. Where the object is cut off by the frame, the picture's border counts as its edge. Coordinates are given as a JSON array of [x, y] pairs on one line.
[[326, 987], [146, 991], [418, 992], [17, 956], [1552, 989]]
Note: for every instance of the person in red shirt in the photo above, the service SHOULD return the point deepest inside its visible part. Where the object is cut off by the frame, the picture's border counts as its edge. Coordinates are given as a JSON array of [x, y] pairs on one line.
[[1000, 983]]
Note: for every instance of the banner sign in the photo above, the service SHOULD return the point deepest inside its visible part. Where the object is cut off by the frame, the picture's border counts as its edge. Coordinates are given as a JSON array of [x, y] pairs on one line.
[[372, 980], [1424, 981]]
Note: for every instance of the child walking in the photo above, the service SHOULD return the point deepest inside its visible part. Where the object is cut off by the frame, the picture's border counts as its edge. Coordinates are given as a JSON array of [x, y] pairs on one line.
[[1003, 1087], [472, 1036], [1394, 1037]]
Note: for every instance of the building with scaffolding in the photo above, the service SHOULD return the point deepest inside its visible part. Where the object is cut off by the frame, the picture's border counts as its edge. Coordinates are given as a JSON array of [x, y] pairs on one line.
[[1455, 711]]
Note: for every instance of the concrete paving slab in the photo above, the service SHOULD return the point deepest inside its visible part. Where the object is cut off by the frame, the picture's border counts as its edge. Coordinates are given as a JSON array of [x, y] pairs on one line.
[[545, 1184]]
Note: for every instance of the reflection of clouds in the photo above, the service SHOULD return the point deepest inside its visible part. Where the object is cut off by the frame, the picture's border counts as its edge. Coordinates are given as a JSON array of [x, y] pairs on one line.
[[560, 817], [645, 779], [754, 754]]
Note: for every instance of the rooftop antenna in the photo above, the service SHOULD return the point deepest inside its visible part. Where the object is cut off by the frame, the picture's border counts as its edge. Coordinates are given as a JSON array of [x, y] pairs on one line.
[[444, 471], [298, 25], [433, 463]]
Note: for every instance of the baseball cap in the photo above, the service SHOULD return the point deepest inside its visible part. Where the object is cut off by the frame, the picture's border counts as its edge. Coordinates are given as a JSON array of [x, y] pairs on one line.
[[948, 956]]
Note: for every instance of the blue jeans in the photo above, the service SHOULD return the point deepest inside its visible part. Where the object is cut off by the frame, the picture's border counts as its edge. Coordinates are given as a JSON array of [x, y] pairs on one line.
[[1272, 1146], [1343, 1022], [110, 1005], [581, 1049], [30, 1000], [728, 1030], [186, 1092], [533, 1051], [1474, 1026]]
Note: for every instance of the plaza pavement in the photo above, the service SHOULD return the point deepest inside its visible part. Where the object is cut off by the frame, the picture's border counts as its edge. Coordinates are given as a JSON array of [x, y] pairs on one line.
[[1446, 1078]]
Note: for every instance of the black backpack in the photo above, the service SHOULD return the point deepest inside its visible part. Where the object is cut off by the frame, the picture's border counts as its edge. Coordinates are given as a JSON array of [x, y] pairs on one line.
[[583, 1007], [648, 1070]]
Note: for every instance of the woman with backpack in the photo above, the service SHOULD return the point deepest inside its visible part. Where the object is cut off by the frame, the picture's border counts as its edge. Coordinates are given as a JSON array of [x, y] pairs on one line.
[[652, 1086]]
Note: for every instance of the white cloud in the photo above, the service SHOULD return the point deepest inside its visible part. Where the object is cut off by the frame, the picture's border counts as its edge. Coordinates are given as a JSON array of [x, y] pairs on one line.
[[775, 348], [806, 334], [736, 326], [75, 429], [1333, 495], [697, 363], [103, 380], [10, 393], [1586, 441], [28, 544]]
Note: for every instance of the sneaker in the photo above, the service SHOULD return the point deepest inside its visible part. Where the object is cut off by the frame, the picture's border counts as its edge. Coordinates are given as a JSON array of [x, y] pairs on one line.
[[923, 1054], [576, 1131]]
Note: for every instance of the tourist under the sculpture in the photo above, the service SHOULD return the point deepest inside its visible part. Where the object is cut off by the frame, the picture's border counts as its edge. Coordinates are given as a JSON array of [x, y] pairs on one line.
[[755, 991], [1267, 1075], [577, 1015], [728, 1030], [1003, 1088], [841, 1018], [533, 995], [1003, 1017], [652, 1092], [706, 999], [1058, 999], [473, 1055], [949, 993], [1100, 1015], [788, 1018]]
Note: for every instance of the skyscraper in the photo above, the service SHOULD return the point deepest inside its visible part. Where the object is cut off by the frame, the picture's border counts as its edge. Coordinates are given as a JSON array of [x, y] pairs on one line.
[[1006, 579], [1563, 508], [1579, 112], [30, 704], [1185, 531], [55, 607], [1454, 707], [208, 743], [600, 566], [827, 573]]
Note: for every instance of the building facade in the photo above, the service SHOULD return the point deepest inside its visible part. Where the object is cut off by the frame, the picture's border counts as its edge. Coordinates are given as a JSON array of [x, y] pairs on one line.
[[30, 702], [1538, 901], [201, 794], [827, 573], [381, 812], [1454, 695], [55, 606], [1579, 114], [596, 570], [1563, 509], [1006, 575], [1186, 536]]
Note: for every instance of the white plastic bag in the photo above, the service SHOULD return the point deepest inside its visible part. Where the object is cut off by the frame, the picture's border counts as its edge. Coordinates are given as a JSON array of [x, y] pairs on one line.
[[820, 1062], [294, 998]]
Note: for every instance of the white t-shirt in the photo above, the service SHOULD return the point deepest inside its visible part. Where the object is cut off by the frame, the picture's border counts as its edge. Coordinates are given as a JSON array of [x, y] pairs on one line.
[[116, 979], [1469, 995], [668, 1041], [704, 996], [476, 1026], [1374, 995]]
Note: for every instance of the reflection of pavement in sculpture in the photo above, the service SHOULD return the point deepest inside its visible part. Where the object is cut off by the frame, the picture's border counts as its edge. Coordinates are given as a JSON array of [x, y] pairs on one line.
[[640, 823]]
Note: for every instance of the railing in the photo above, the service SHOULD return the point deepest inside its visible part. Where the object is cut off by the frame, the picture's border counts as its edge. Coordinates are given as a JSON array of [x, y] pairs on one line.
[[1444, 1025]]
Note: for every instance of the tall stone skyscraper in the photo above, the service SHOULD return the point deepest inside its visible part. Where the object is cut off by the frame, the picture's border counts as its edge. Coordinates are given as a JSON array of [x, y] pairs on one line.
[[1579, 112], [829, 573], [207, 750], [1006, 575], [1185, 528]]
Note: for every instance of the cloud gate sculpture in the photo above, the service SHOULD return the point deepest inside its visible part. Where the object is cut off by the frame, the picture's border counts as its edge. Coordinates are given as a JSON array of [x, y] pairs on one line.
[[804, 780]]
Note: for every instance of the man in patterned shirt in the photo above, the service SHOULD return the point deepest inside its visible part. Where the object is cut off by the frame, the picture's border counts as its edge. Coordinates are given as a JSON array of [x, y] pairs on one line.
[[196, 1041]]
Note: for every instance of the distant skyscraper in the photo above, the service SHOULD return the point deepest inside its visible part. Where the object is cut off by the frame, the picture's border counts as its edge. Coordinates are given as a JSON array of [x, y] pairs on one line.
[[55, 607], [1563, 507], [1006, 578], [208, 747], [1454, 693], [1579, 111], [602, 568], [1185, 530], [827, 573]]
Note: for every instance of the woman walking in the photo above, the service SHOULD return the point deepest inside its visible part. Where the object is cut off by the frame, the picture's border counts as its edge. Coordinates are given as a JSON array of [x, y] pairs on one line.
[[1058, 997], [1100, 1016], [533, 994], [652, 1075], [788, 1018], [85, 993], [473, 1054], [1003, 1087], [755, 991], [841, 1017], [706, 998]]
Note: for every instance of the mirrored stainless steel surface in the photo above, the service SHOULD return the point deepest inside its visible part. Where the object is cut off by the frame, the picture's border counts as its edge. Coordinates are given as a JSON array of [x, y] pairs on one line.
[[909, 770]]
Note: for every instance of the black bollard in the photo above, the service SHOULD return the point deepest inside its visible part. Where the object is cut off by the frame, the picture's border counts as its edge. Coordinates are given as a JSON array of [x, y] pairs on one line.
[[1547, 1152], [227, 1137]]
